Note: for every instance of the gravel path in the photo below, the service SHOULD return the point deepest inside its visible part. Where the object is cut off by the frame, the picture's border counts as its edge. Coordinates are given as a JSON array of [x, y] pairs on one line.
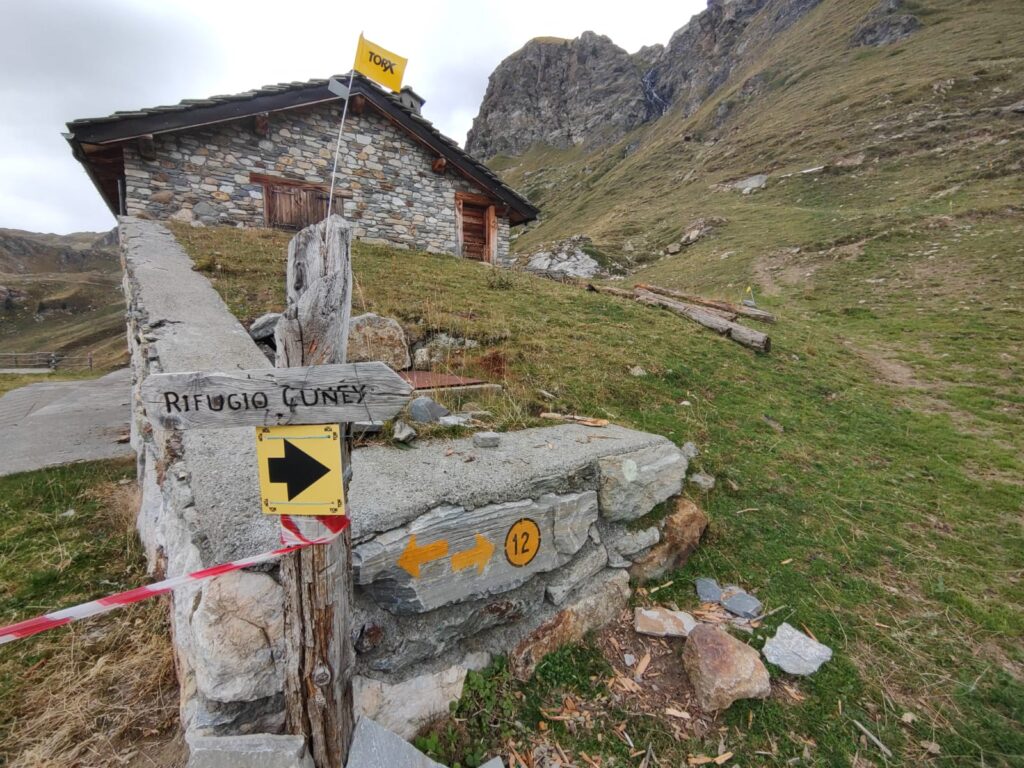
[[59, 422]]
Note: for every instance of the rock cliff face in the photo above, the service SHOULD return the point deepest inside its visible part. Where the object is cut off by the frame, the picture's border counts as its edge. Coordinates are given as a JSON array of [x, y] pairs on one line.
[[559, 92], [589, 91]]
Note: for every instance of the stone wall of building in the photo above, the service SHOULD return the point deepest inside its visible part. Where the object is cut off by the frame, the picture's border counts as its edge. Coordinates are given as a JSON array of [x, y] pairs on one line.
[[444, 577], [388, 190]]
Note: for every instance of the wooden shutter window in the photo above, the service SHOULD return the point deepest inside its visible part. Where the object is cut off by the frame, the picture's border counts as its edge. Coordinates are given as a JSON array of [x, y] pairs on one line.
[[291, 204]]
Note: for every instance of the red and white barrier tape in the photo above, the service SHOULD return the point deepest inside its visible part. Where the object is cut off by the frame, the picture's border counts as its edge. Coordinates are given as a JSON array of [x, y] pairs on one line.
[[296, 533]]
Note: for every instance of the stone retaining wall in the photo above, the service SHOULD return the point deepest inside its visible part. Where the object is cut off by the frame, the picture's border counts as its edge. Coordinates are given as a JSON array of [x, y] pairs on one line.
[[389, 192], [444, 577]]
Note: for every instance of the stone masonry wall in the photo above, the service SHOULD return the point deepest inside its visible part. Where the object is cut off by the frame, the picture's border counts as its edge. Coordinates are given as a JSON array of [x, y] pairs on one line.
[[391, 194], [422, 618]]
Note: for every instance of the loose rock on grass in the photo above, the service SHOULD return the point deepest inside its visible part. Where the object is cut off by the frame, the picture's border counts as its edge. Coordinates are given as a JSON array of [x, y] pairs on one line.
[[723, 670], [795, 652]]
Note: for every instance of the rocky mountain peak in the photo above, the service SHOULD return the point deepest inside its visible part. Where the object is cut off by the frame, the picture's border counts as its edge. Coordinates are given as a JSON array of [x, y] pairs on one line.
[[561, 93], [590, 91]]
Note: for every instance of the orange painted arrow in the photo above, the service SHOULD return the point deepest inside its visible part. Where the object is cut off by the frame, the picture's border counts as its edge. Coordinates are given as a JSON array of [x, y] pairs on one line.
[[413, 557], [479, 555]]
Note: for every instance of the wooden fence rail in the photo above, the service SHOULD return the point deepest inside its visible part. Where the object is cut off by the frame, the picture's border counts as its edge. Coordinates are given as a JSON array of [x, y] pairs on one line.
[[51, 360]]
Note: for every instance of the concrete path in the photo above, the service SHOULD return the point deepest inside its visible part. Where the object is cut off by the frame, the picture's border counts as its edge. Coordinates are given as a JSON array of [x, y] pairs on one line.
[[58, 422]]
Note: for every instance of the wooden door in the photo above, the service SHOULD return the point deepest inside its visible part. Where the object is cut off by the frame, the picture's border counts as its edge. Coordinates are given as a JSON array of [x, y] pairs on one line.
[[474, 232]]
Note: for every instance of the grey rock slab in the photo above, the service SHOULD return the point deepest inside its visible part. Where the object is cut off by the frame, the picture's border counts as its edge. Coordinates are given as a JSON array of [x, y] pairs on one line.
[[374, 746], [586, 564], [795, 652], [708, 590], [392, 487], [238, 631], [258, 750], [690, 451], [486, 440], [573, 524], [751, 183], [702, 480], [455, 420], [426, 411], [494, 762], [632, 484], [263, 326], [402, 432], [452, 554], [58, 422], [628, 543], [195, 331], [372, 337], [743, 604]]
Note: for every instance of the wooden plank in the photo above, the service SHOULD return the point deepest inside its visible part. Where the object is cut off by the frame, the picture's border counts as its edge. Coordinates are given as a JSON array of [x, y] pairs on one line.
[[317, 581], [748, 337], [321, 394], [722, 306]]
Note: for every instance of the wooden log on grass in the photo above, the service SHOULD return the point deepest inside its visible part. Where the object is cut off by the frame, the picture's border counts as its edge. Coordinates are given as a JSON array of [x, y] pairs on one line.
[[748, 337], [611, 291], [722, 306]]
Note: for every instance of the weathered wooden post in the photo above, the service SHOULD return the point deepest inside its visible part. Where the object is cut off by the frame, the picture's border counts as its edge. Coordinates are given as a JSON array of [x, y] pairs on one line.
[[318, 580]]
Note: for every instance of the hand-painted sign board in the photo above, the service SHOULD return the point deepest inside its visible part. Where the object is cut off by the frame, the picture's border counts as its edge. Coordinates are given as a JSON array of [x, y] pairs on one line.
[[300, 470], [451, 553], [318, 394]]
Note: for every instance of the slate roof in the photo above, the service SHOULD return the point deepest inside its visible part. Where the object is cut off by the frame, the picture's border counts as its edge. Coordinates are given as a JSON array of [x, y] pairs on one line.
[[190, 113]]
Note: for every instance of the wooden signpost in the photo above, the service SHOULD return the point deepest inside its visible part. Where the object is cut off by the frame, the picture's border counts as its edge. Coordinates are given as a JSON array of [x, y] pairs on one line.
[[303, 471]]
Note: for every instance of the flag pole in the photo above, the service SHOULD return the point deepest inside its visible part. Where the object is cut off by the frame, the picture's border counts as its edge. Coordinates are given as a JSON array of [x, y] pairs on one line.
[[337, 146]]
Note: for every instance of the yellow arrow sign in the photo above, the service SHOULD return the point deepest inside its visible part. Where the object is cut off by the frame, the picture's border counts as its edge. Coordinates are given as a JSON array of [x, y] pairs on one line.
[[413, 557], [479, 555]]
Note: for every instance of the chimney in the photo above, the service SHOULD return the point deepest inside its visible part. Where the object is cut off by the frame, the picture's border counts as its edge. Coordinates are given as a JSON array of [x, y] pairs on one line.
[[411, 100]]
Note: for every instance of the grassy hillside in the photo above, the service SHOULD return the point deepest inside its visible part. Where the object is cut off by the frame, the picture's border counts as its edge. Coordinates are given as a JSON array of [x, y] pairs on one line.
[[884, 513], [61, 293], [925, 113]]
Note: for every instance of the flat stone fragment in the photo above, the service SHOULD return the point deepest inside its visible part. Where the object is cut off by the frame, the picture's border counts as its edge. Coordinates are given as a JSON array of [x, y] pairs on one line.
[[631, 542], [374, 746], [494, 762], [690, 450], [742, 604], [426, 411], [703, 480], [486, 440], [263, 326], [632, 484], [455, 420], [708, 590], [722, 669], [260, 750], [662, 622], [582, 568], [402, 432], [371, 337], [407, 706], [795, 652]]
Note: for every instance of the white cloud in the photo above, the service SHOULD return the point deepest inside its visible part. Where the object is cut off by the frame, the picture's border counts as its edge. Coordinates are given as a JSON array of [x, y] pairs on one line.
[[65, 59]]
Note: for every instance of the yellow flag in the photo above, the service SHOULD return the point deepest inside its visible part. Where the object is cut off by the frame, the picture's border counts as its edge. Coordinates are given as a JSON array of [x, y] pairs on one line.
[[380, 64]]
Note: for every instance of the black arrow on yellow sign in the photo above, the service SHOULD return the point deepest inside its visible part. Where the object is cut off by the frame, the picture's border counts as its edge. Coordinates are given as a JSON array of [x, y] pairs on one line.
[[296, 469]]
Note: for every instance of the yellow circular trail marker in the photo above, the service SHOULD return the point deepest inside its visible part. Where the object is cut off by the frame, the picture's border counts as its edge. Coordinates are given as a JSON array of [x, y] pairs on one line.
[[522, 542]]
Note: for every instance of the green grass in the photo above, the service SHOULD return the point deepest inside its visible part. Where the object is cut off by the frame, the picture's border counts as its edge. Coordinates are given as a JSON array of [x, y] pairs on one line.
[[94, 692], [894, 493], [898, 505]]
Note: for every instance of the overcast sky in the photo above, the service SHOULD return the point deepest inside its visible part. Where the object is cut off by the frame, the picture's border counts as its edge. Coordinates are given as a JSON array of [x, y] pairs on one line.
[[63, 60]]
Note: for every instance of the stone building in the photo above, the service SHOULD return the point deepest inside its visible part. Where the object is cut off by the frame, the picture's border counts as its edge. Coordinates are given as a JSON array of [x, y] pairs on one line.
[[264, 158]]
